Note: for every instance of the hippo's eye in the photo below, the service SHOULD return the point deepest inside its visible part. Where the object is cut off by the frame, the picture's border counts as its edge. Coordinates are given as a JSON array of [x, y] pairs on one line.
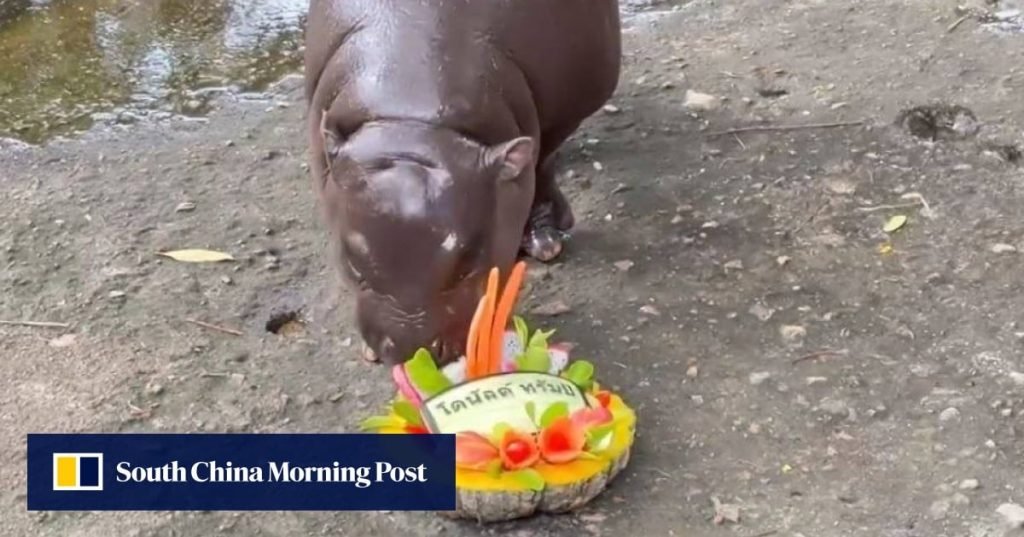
[[379, 164]]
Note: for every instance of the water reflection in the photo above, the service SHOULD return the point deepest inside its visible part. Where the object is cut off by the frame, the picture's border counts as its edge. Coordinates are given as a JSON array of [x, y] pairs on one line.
[[67, 64]]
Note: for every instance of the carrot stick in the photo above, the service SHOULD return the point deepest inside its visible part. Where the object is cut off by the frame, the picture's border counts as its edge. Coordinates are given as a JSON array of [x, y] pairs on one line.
[[502, 314], [471, 344], [484, 344]]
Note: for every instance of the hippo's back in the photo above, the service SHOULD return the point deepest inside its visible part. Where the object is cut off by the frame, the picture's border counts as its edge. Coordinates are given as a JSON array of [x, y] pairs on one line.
[[411, 56]]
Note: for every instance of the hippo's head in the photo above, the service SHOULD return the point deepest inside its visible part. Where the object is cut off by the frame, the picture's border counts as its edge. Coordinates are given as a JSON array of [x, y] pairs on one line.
[[419, 215]]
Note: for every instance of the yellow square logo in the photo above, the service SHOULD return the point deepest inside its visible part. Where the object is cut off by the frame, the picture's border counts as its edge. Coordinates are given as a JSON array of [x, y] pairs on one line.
[[77, 471]]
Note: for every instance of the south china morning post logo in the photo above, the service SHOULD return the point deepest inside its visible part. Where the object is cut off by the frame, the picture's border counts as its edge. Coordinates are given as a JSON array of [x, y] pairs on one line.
[[273, 472], [78, 472], [240, 471]]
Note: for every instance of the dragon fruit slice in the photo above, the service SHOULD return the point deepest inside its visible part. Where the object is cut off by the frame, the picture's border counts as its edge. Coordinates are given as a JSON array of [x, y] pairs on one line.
[[405, 387]]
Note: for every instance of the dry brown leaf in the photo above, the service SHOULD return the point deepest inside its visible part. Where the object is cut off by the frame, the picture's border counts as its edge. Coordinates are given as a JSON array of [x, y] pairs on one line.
[[197, 256]]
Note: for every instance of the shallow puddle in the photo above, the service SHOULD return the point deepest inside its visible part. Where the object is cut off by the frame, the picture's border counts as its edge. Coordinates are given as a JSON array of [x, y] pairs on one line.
[[69, 65]]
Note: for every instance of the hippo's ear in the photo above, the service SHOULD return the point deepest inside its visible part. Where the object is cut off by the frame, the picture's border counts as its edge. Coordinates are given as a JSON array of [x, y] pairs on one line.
[[512, 157]]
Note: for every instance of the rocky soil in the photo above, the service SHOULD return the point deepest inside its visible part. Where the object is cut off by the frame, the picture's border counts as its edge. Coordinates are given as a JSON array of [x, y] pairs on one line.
[[798, 370]]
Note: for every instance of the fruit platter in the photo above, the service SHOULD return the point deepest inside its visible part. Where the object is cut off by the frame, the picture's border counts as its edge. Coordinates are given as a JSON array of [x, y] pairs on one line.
[[534, 430]]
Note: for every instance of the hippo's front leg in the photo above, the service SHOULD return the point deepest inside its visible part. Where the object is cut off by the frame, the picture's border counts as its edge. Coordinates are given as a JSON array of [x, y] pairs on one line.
[[550, 217]]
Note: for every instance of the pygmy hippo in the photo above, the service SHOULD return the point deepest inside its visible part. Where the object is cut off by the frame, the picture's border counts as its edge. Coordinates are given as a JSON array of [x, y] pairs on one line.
[[432, 127]]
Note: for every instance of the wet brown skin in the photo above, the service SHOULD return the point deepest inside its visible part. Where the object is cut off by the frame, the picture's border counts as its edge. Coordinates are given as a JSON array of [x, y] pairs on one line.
[[432, 129]]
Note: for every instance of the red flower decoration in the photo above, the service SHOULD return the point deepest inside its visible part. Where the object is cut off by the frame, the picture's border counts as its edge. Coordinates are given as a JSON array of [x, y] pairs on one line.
[[518, 450], [562, 441]]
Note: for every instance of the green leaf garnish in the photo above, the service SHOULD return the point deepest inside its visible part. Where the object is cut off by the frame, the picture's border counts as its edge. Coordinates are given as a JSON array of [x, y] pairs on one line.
[[424, 374], [499, 431], [580, 373], [588, 456], [407, 412], [597, 435], [531, 411], [522, 331], [535, 359], [494, 468], [529, 478], [540, 339], [375, 423], [555, 411]]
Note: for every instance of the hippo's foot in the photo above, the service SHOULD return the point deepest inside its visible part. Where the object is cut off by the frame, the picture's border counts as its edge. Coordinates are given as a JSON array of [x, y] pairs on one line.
[[546, 229]]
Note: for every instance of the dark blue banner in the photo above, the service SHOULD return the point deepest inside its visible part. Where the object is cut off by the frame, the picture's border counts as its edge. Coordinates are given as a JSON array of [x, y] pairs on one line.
[[241, 472]]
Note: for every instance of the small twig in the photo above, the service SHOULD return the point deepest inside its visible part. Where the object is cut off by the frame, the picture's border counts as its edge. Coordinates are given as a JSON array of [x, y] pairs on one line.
[[887, 207], [37, 324], [739, 140], [819, 354], [662, 472], [957, 24], [215, 327], [769, 128], [811, 218], [209, 375]]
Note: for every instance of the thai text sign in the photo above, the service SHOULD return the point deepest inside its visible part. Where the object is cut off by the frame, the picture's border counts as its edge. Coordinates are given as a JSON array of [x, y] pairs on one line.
[[482, 403]]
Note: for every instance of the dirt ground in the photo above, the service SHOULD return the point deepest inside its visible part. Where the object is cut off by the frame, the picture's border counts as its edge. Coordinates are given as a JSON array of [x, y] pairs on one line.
[[789, 360]]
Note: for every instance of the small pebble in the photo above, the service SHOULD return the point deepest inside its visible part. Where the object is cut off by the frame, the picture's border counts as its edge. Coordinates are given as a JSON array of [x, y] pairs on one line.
[[650, 310], [970, 484], [624, 265], [1013, 514], [762, 313], [759, 378], [735, 264], [154, 389], [1017, 378], [834, 407], [692, 371], [551, 309], [611, 109], [1003, 248], [939, 509], [949, 414], [701, 101], [116, 294], [792, 332]]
